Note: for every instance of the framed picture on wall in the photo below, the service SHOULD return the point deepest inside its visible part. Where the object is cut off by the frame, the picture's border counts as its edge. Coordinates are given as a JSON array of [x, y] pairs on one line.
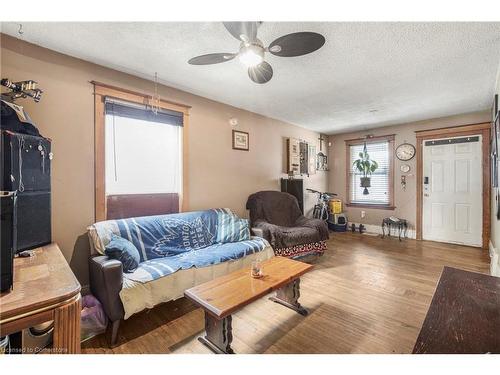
[[241, 140]]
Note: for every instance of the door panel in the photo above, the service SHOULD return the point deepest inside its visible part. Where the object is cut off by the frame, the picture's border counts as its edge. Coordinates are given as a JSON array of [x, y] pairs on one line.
[[437, 218], [437, 176], [462, 148], [462, 176], [462, 218], [452, 201]]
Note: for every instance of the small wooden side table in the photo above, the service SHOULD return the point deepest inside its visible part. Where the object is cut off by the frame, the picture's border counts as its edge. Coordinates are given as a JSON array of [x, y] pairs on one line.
[[45, 289], [400, 224]]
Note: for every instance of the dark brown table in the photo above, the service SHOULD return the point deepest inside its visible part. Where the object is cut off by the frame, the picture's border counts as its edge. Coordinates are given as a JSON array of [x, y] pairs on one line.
[[464, 315]]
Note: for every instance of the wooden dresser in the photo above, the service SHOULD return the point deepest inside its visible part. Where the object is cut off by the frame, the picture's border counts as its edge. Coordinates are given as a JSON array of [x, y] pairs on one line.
[[45, 289]]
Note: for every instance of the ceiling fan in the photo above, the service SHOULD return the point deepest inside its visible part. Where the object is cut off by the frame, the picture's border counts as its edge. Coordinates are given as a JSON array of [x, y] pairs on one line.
[[252, 50]]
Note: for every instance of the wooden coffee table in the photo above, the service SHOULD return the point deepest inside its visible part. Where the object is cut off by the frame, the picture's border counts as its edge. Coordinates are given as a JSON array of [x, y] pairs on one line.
[[227, 294]]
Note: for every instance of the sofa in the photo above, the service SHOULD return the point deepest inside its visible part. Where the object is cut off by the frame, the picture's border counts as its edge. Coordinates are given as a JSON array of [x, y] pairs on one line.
[[276, 217], [177, 252]]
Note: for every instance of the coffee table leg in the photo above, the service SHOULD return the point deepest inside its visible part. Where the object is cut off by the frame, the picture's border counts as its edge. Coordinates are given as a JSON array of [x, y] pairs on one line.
[[289, 296], [218, 334]]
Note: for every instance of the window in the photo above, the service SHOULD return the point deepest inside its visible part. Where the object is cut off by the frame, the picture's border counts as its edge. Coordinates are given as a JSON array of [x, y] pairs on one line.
[[143, 150], [380, 149], [139, 156]]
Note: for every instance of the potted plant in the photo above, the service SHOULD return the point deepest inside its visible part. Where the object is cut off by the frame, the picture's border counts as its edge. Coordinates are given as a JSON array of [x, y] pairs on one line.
[[366, 166]]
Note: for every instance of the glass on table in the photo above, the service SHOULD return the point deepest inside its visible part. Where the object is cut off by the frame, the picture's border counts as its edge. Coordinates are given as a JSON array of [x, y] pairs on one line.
[[256, 269]]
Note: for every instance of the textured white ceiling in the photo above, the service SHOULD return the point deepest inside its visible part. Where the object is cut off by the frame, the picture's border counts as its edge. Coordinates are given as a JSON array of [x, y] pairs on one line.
[[366, 75]]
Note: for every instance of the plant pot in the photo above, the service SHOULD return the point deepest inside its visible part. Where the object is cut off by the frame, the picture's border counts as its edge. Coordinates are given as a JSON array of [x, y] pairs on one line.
[[365, 182]]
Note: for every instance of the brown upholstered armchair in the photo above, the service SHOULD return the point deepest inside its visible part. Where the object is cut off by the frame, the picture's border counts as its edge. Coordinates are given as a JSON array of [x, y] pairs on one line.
[[276, 217]]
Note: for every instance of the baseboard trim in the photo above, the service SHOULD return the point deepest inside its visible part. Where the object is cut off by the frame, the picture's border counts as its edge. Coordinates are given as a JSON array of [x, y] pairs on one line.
[[377, 229]]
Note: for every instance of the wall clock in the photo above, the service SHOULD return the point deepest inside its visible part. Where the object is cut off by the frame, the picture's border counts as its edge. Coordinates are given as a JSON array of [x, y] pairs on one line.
[[405, 151]]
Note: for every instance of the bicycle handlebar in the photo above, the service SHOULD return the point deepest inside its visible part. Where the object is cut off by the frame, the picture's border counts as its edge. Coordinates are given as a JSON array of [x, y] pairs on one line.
[[319, 192], [313, 191]]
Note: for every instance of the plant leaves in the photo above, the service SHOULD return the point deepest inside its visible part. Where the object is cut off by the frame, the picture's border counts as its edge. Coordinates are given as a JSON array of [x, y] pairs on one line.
[[364, 164]]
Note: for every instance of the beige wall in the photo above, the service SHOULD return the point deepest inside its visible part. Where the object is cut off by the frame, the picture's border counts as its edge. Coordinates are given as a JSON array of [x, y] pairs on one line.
[[218, 175], [405, 200]]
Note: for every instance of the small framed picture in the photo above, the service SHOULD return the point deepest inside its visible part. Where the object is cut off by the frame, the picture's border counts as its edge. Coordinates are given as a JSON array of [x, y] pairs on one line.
[[241, 140]]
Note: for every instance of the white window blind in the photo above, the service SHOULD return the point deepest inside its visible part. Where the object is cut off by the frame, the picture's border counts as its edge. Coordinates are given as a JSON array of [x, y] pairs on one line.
[[142, 156], [379, 190]]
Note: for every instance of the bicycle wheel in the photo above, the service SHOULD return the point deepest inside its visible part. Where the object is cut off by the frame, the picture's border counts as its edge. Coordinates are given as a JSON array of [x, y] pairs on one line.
[[324, 213], [316, 211]]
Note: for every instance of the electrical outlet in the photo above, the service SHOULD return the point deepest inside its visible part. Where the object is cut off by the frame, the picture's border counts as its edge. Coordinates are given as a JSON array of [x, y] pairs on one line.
[[363, 213]]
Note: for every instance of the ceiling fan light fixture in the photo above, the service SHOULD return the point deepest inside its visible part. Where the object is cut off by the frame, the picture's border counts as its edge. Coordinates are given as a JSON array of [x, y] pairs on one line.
[[251, 55], [252, 50]]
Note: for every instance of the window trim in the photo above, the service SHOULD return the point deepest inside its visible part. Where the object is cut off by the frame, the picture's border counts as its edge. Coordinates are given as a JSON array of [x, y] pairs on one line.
[[103, 91], [376, 139]]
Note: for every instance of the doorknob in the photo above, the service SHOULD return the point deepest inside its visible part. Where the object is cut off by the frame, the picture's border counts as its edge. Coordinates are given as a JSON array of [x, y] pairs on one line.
[[426, 180]]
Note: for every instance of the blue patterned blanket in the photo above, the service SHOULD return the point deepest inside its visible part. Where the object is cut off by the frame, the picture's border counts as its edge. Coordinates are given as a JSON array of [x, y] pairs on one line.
[[168, 243], [169, 235], [215, 254]]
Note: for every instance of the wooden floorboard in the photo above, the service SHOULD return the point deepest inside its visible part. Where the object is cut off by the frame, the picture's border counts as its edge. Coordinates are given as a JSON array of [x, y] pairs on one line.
[[365, 295]]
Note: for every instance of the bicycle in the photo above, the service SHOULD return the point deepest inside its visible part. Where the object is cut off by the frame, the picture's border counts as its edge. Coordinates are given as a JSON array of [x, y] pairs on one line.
[[321, 209]]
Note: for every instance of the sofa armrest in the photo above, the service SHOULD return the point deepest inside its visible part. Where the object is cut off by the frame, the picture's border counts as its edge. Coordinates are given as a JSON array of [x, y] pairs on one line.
[[106, 281], [258, 232]]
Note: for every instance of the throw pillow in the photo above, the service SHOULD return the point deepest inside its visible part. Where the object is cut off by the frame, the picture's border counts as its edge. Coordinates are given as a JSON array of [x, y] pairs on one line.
[[123, 250], [231, 228]]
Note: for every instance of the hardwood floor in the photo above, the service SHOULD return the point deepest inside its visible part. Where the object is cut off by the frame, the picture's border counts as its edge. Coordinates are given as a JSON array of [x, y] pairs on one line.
[[365, 295]]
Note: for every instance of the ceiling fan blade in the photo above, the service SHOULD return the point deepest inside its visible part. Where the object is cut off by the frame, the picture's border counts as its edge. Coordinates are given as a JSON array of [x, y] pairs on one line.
[[296, 44], [261, 73], [244, 31], [211, 58]]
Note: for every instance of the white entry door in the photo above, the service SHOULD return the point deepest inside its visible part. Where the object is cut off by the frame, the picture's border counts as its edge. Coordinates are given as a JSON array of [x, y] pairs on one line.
[[453, 183]]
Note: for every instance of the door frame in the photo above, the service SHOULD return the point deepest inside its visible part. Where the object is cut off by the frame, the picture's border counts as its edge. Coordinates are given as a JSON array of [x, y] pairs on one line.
[[457, 131]]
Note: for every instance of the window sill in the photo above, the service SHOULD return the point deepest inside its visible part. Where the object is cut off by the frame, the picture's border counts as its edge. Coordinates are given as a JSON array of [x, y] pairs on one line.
[[374, 206]]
